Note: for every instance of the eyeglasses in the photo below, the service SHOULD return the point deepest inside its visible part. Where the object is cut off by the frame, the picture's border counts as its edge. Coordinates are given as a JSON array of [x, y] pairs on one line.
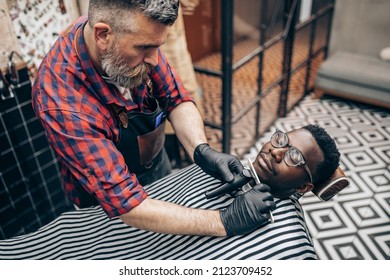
[[293, 157]]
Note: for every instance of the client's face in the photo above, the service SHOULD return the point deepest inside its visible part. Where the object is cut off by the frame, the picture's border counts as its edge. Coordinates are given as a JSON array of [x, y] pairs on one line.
[[284, 170]]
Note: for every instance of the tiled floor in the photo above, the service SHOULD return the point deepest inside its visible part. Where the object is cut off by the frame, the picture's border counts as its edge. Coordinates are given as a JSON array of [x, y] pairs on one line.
[[356, 223]]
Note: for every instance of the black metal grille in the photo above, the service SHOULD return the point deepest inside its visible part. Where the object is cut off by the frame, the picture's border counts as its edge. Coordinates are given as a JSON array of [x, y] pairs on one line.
[[279, 25]]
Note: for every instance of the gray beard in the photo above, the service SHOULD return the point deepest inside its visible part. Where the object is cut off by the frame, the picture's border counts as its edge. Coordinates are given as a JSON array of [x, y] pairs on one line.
[[119, 72]]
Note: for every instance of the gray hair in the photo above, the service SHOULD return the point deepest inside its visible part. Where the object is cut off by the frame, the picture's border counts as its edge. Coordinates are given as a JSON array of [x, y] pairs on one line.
[[116, 12]]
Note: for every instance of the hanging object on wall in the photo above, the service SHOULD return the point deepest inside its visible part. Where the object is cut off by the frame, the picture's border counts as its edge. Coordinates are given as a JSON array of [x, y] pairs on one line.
[[5, 93], [37, 24], [12, 71], [8, 40], [10, 80], [62, 7]]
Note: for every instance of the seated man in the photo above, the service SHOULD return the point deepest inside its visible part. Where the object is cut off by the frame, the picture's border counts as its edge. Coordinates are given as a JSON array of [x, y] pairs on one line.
[[89, 234], [297, 161]]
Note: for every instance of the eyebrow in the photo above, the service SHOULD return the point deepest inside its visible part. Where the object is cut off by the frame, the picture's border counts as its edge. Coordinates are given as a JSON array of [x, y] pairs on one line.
[[289, 143], [147, 46]]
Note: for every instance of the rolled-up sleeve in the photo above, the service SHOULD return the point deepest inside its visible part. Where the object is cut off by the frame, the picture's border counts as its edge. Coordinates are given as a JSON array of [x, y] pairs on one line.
[[92, 160]]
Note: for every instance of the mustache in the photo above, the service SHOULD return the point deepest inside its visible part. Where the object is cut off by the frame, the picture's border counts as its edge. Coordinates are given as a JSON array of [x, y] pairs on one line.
[[140, 70], [121, 67], [118, 70]]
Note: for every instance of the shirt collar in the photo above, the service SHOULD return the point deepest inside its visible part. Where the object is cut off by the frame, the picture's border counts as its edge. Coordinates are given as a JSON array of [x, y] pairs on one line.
[[107, 91], [125, 92]]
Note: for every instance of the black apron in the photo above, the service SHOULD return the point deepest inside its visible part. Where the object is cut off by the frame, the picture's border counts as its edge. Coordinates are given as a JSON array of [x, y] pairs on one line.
[[141, 142], [142, 137]]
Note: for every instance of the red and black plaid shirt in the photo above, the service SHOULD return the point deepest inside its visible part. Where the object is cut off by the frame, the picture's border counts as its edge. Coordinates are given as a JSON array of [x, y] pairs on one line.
[[70, 98]]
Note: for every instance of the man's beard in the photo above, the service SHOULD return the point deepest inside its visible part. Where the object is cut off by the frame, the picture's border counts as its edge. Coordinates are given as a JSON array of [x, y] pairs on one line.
[[119, 72]]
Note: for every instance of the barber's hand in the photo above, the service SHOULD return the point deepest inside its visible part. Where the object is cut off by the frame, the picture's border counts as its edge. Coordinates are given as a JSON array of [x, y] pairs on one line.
[[248, 211], [219, 165]]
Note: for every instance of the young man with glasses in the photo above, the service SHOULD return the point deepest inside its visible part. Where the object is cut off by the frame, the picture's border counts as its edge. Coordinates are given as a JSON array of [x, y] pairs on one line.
[[297, 161]]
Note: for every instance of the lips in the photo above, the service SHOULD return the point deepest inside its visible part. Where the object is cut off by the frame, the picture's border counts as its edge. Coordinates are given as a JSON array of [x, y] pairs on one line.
[[265, 163]]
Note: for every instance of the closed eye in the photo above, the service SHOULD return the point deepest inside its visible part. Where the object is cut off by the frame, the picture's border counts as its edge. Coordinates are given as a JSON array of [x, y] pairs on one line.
[[295, 157], [147, 47]]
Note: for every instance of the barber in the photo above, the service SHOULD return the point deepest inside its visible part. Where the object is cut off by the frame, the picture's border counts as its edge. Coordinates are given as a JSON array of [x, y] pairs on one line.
[[103, 94]]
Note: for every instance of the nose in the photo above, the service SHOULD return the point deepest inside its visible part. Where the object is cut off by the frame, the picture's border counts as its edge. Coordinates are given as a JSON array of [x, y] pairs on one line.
[[278, 153], [151, 57]]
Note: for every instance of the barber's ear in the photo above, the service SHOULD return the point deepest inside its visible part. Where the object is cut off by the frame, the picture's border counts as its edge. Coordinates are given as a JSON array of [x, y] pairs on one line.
[[305, 188], [104, 35]]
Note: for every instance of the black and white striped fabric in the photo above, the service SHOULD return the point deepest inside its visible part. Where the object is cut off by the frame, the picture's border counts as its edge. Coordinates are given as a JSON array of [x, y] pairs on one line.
[[89, 234]]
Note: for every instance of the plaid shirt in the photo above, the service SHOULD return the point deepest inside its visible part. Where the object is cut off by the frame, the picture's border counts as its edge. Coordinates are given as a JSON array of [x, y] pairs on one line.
[[70, 98]]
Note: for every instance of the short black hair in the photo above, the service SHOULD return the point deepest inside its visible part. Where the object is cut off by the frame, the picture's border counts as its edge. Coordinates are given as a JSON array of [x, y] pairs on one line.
[[327, 144]]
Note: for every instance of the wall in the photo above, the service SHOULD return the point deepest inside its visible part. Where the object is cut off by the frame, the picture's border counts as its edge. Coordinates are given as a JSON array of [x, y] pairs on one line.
[[35, 26], [361, 26], [8, 40], [83, 6], [203, 29]]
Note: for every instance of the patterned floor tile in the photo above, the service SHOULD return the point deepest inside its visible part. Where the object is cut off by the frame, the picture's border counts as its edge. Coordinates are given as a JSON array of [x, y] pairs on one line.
[[366, 213], [328, 219], [377, 180], [383, 153], [377, 241], [355, 224], [383, 200], [358, 189], [343, 248], [361, 159]]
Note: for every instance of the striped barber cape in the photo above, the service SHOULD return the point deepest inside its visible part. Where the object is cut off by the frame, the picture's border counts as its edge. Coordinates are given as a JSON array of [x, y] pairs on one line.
[[90, 234]]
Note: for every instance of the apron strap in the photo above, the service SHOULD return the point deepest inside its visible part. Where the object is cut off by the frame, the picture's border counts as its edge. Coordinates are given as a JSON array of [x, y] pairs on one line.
[[121, 113]]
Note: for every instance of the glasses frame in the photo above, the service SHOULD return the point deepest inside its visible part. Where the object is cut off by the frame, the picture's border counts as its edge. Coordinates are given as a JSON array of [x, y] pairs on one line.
[[287, 145]]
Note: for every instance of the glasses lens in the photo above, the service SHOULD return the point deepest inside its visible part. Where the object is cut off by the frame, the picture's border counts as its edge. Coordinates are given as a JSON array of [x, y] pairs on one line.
[[294, 157], [279, 139]]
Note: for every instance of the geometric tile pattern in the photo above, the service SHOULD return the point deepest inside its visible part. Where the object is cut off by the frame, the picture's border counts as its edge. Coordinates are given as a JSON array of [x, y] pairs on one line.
[[355, 224]]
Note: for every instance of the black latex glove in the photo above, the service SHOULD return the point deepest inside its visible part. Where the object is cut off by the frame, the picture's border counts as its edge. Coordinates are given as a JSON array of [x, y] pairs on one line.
[[248, 211], [219, 165]]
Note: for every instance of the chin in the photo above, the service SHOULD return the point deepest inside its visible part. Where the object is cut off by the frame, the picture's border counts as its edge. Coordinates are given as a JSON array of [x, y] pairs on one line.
[[281, 195]]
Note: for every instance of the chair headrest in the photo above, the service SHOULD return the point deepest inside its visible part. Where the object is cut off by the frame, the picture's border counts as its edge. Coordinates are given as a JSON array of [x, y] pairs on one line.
[[337, 182]]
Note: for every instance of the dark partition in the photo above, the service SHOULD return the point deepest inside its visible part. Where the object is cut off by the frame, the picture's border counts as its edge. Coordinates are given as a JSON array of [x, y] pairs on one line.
[[30, 187]]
